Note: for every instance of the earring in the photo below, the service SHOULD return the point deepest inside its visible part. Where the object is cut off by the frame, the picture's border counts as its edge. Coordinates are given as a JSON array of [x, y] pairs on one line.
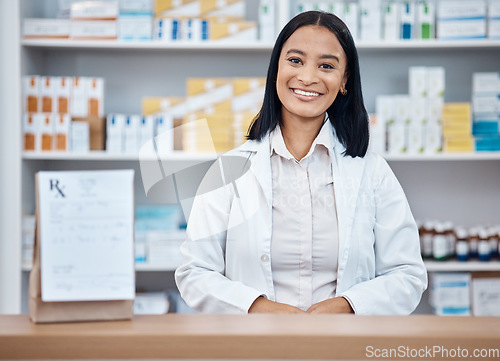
[[343, 91]]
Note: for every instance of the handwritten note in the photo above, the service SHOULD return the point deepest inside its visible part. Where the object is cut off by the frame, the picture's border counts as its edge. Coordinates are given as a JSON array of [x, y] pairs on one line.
[[87, 232]]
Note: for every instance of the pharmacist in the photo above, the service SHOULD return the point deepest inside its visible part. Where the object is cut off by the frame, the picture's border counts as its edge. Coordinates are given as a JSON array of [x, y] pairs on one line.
[[316, 223]]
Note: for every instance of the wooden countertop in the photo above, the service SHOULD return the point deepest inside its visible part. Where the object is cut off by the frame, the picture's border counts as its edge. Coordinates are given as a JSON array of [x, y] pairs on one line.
[[306, 337]]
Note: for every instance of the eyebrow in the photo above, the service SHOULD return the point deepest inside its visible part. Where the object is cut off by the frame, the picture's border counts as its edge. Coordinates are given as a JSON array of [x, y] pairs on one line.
[[323, 56]]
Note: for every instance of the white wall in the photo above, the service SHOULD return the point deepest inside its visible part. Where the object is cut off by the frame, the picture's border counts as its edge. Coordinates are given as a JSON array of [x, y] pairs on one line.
[[10, 161]]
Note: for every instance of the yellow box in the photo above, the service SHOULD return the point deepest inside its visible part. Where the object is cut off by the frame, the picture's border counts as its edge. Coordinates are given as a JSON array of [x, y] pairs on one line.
[[154, 105], [199, 8], [233, 31], [458, 144]]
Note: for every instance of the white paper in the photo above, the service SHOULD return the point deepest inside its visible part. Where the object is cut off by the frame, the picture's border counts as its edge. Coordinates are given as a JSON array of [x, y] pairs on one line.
[[486, 296], [87, 230]]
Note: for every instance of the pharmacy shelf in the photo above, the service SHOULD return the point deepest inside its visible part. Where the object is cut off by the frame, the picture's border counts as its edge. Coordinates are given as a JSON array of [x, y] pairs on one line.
[[152, 45], [141, 267], [104, 156], [250, 46], [185, 156], [456, 266]]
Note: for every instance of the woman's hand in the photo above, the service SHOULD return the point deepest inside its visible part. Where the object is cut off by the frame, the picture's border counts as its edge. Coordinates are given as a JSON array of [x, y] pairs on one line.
[[332, 305], [263, 305]]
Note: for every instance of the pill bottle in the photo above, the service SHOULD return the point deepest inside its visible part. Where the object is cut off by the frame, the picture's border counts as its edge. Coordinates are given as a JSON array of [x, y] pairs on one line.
[[450, 236], [462, 245], [440, 250], [426, 239], [483, 245], [473, 240], [493, 237]]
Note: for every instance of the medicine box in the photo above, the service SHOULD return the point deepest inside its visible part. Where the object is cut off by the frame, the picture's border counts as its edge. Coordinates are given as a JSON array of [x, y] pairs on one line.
[[371, 20], [244, 31], [46, 131], [486, 83], [62, 132], [167, 29], [95, 94], [248, 94], [426, 20], [164, 138], [79, 100], [30, 130], [136, 6], [94, 30], [204, 92], [433, 142], [407, 16], [135, 26], [418, 81], [485, 294], [94, 10], [63, 93], [396, 138], [31, 92], [199, 8], [377, 135], [267, 20], [114, 133], [436, 81], [48, 94], [80, 137], [131, 134], [46, 28], [450, 293], [391, 21], [351, 18]]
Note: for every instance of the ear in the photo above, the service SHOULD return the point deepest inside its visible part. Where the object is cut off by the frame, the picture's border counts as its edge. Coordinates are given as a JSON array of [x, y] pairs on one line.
[[344, 81]]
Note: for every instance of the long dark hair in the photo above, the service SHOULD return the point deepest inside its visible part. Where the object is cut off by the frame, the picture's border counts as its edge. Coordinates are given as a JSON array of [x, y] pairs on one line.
[[347, 113]]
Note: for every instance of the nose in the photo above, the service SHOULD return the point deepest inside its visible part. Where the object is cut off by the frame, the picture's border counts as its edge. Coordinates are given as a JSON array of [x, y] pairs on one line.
[[307, 75]]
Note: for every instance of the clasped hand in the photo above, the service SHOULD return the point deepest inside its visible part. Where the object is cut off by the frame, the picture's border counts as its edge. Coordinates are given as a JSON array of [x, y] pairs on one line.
[[332, 305]]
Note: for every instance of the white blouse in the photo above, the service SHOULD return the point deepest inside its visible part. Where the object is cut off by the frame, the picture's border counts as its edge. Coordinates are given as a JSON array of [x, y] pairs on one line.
[[304, 243]]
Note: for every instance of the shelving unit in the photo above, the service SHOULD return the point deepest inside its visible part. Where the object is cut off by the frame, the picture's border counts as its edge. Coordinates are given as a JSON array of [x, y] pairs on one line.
[[459, 187]]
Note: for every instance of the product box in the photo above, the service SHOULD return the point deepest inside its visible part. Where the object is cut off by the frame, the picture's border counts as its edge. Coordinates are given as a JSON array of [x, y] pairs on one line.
[[114, 133], [461, 29], [63, 94], [377, 135], [95, 94], [391, 21], [418, 81], [415, 138], [485, 293], [167, 29], [94, 30], [435, 107], [494, 19], [136, 6], [487, 143], [402, 106], [248, 94], [164, 134], [46, 28], [79, 101], [486, 83], [351, 19], [154, 105], [31, 94], [131, 134], [46, 132], [146, 129], [30, 129], [214, 133], [133, 26], [458, 9], [80, 137], [151, 303], [199, 8], [96, 130], [371, 20], [455, 144], [48, 94], [205, 92], [426, 20], [450, 293], [433, 142], [244, 31], [267, 20], [397, 138], [407, 20], [195, 30], [485, 104], [94, 10], [486, 127], [436, 81], [62, 132]]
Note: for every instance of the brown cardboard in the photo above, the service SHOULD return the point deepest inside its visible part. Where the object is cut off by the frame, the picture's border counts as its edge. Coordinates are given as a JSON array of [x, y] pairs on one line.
[[97, 130]]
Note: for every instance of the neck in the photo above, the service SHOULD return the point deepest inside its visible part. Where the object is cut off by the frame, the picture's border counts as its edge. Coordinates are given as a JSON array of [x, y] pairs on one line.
[[299, 134]]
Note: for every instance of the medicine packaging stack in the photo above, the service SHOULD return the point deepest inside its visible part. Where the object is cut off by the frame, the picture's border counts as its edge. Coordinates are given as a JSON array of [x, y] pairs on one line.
[[63, 113], [459, 20], [411, 123], [135, 20], [457, 128], [205, 20], [450, 293], [486, 111], [94, 20]]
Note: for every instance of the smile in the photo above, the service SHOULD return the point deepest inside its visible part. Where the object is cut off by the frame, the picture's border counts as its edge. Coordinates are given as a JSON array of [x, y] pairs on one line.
[[305, 93]]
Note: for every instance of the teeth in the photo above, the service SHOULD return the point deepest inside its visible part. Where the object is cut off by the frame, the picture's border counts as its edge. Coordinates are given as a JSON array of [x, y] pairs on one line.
[[309, 94]]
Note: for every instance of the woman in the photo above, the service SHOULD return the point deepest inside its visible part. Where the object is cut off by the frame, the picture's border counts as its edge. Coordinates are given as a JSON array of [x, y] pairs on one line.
[[314, 222]]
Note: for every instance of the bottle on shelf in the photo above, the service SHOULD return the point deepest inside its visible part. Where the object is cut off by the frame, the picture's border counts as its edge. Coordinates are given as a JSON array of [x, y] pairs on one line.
[[462, 244], [440, 251], [473, 242], [483, 245], [493, 239], [426, 235], [450, 236]]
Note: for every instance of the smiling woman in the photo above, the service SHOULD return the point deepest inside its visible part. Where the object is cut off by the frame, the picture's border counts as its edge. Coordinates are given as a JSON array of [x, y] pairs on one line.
[[317, 223]]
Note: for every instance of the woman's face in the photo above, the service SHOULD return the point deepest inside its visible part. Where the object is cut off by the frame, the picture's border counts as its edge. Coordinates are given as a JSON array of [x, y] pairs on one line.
[[311, 72]]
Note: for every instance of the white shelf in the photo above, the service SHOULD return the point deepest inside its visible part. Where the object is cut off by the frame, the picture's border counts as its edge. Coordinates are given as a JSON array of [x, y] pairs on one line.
[[141, 267], [443, 156], [456, 266], [159, 45], [104, 156]]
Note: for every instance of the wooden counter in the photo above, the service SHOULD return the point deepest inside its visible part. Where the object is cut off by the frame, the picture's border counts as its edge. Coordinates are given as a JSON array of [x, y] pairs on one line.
[[249, 337]]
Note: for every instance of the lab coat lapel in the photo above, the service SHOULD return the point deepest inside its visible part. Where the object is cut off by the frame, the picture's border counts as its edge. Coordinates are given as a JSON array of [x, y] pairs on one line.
[[347, 175]]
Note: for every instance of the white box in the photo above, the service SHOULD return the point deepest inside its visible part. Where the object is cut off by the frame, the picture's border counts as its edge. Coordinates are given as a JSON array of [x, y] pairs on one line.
[[450, 293], [351, 18], [486, 83], [151, 303], [408, 20], [485, 103], [494, 9], [48, 94], [242, 31], [46, 132], [202, 8], [62, 133], [136, 6], [385, 109], [94, 10], [31, 94], [94, 29], [486, 296], [30, 130], [167, 29], [371, 20], [433, 138], [435, 107], [396, 138], [79, 100], [164, 134], [402, 109], [135, 26], [131, 134], [377, 135], [461, 29], [426, 20], [46, 28], [391, 13], [80, 137], [453, 9], [63, 90], [494, 29], [95, 94], [418, 80], [191, 30], [114, 133], [415, 138], [267, 20], [436, 83], [146, 129]]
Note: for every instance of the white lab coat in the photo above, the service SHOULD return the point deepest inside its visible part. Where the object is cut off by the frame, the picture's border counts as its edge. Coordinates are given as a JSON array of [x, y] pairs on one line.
[[226, 254]]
